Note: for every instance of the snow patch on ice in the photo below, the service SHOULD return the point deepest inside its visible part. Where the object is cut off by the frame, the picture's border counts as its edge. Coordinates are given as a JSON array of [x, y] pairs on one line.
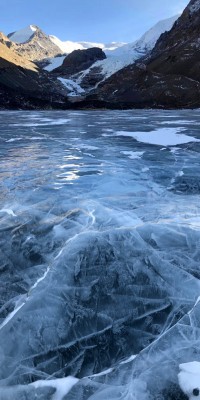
[[133, 154], [145, 169], [88, 147], [178, 122], [161, 137], [189, 379], [8, 211], [43, 122], [175, 149], [13, 140], [62, 386]]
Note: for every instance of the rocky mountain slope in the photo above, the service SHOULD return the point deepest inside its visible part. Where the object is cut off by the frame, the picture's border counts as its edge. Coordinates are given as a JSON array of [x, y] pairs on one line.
[[23, 85], [179, 51], [168, 77], [9, 55]]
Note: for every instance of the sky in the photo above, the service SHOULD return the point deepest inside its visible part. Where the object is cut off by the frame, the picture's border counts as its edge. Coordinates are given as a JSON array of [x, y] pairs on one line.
[[88, 20]]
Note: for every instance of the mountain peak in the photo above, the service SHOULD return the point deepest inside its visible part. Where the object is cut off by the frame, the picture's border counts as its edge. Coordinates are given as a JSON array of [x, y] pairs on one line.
[[33, 43], [23, 35]]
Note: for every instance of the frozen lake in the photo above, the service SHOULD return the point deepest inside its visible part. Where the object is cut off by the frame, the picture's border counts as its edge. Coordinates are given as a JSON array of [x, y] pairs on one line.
[[99, 253]]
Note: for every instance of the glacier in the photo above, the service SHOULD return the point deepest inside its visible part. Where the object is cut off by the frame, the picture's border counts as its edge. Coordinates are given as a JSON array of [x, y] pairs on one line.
[[119, 55], [100, 254]]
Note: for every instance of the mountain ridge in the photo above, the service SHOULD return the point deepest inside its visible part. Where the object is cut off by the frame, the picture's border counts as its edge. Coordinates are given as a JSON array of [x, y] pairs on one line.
[[168, 77]]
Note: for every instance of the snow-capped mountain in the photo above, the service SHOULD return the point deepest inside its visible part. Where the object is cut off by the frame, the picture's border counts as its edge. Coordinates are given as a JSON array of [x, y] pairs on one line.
[[33, 43], [149, 39], [69, 46], [23, 35], [127, 54], [38, 46], [168, 77], [170, 50], [117, 56]]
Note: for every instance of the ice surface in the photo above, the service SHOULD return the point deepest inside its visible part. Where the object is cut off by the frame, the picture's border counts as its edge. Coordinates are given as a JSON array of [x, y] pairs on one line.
[[99, 256]]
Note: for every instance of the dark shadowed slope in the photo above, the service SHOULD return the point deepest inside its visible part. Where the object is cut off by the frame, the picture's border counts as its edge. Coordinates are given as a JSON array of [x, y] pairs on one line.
[[23, 85], [169, 77]]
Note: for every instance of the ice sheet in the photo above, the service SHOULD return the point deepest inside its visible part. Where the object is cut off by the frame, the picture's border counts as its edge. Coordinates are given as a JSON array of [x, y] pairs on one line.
[[99, 255]]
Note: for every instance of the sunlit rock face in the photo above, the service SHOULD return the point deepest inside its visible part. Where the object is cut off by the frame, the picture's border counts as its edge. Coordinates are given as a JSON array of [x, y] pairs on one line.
[[99, 295]]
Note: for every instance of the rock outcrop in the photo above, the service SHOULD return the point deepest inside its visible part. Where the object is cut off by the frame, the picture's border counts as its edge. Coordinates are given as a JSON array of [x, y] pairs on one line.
[[79, 60]]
